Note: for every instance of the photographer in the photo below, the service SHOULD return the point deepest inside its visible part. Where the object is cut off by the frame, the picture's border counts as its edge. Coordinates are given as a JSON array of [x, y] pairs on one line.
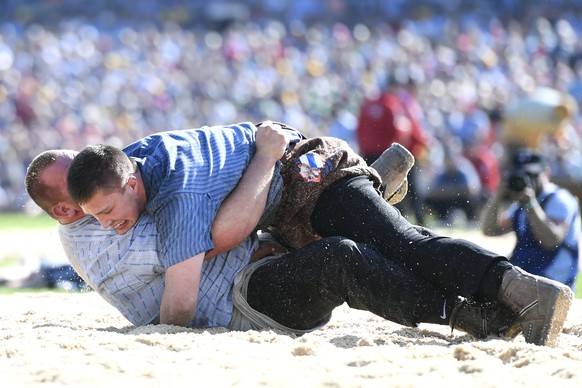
[[544, 217]]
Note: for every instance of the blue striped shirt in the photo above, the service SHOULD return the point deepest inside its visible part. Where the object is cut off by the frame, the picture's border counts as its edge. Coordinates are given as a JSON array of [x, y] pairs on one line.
[[127, 272], [187, 174]]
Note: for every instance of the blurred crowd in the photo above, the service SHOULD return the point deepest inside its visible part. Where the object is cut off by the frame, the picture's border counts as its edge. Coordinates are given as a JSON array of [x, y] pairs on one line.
[[74, 73]]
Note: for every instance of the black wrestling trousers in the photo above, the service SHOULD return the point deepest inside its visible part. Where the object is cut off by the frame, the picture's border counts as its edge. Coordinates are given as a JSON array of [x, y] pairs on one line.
[[301, 289], [351, 207]]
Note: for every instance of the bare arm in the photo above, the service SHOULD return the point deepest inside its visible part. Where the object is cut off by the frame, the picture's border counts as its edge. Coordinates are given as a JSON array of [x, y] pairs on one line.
[[548, 232], [180, 297], [494, 224], [241, 211]]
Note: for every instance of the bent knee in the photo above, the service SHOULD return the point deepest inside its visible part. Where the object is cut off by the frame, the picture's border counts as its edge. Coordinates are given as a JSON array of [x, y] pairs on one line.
[[338, 242]]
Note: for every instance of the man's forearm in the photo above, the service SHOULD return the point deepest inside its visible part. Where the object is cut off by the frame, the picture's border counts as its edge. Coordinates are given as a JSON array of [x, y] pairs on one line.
[[180, 297], [490, 225], [547, 232], [241, 211]]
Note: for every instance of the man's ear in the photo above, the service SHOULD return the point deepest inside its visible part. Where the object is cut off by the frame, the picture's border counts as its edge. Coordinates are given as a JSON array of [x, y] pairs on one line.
[[132, 182], [65, 210]]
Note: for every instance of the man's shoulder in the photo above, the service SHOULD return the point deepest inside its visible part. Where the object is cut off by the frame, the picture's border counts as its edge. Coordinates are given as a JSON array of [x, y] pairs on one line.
[[558, 202], [555, 192], [85, 223], [85, 230]]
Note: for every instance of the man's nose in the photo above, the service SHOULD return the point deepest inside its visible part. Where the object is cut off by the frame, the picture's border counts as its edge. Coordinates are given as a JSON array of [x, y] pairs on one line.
[[104, 221]]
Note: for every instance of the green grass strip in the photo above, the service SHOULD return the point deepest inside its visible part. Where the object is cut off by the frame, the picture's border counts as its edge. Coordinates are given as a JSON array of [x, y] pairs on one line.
[[22, 221]]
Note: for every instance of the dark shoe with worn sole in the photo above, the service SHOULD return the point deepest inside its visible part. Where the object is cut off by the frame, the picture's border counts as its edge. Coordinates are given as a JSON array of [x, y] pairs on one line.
[[481, 319], [540, 303], [393, 167]]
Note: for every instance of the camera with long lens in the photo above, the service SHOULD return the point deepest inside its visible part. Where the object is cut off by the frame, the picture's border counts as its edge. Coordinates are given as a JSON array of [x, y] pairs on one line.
[[519, 180]]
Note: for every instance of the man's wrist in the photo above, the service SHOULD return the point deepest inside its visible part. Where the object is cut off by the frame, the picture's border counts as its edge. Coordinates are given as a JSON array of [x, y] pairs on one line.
[[266, 159], [528, 205]]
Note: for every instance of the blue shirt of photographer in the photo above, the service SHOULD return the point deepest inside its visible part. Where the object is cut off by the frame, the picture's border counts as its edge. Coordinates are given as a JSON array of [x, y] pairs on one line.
[[560, 264]]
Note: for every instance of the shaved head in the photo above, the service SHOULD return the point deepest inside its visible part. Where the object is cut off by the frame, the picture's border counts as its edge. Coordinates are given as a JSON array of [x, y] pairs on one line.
[[46, 177]]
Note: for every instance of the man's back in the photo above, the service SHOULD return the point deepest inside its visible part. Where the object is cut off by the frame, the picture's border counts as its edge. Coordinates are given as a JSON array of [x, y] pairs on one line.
[[207, 160], [186, 175]]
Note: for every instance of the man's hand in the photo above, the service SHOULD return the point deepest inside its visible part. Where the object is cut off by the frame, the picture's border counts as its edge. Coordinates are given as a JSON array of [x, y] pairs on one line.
[[527, 195], [495, 222], [271, 141], [268, 246]]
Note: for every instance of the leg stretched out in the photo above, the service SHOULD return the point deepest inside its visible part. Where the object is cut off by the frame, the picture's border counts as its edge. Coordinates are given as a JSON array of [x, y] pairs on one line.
[[301, 289], [352, 208]]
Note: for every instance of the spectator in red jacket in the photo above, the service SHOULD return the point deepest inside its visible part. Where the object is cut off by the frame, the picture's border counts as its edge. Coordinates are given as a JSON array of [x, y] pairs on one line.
[[487, 166], [392, 116]]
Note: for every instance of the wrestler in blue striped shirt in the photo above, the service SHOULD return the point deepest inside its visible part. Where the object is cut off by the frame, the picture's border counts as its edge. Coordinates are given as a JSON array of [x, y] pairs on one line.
[[180, 178]]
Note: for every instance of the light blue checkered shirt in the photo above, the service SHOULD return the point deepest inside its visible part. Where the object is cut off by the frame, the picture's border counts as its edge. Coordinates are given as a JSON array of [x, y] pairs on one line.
[[127, 272]]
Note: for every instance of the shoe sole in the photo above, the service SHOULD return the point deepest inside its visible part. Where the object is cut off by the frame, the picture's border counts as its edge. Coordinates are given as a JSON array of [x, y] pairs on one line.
[[555, 316], [393, 167], [512, 332]]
